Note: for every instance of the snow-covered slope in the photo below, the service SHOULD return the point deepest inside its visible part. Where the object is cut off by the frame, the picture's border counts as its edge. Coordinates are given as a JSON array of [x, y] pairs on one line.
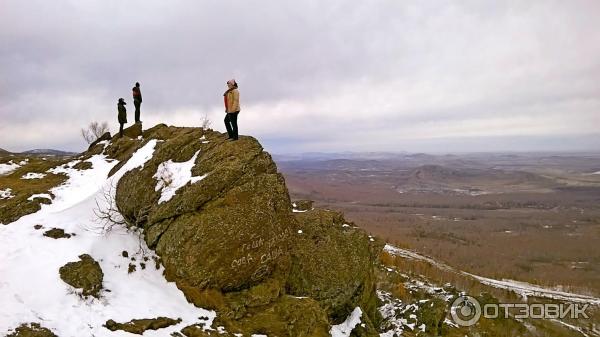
[[522, 288], [31, 289]]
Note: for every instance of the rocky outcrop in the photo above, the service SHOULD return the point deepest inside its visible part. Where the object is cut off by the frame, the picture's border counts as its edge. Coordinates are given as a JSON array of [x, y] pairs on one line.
[[57, 233], [105, 136], [139, 326], [332, 262], [31, 330], [85, 275], [219, 216], [133, 131]]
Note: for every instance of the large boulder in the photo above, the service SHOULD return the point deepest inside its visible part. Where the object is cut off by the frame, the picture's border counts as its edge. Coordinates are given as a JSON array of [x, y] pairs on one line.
[[226, 231], [333, 262], [219, 216]]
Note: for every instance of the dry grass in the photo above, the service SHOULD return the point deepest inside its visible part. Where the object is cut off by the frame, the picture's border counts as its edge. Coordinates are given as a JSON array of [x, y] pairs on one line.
[[17, 206]]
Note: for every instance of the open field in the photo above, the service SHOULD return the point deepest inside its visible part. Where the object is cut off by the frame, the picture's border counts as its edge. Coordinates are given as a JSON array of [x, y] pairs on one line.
[[526, 217]]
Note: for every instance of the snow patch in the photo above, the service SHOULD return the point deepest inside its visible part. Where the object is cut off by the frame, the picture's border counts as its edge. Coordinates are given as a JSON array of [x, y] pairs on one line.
[[345, 328], [40, 195], [526, 289], [33, 175], [9, 167], [522, 288], [6, 193], [172, 176]]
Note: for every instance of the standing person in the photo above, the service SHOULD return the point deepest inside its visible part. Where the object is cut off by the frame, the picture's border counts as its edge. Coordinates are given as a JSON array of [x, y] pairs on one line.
[[122, 116], [137, 101], [232, 109]]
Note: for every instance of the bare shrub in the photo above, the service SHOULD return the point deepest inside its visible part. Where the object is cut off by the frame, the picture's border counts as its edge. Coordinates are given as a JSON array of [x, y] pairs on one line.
[[205, 122], [108, 217], [94, 131]]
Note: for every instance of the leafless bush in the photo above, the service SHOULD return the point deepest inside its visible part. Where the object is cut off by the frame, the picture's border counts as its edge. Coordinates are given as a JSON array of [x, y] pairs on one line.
[[205, 121], [94, 131], [107, 215], [109, 218]]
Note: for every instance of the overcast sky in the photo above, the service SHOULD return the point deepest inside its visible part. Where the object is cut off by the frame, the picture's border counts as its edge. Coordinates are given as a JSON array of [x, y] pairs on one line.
[[417, 76]]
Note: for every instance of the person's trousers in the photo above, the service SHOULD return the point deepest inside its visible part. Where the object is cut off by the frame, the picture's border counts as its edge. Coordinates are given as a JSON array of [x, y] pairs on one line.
[[231, 124], [137, 110], [121, 130]]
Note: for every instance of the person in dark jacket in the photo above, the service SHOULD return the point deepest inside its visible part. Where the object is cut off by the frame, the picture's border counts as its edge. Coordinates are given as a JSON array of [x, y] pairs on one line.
[[137, 101], [232, 109], [122, 116]]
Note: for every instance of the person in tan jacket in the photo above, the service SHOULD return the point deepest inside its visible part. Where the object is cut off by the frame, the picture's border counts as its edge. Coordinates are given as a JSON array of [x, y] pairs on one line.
[[232, 109]]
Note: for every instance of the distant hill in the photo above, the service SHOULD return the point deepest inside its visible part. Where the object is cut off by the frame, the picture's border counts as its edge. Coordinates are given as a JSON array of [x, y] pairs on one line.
[[3, 151], [48, 152]]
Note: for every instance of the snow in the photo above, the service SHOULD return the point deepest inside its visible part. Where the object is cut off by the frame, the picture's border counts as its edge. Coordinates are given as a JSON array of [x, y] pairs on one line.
[[172, 176], [345, 328], [299, 231], [526, 289], [596, 172], [522, 288], [297, 211], [7, 168], [31, 289], [40, 195], [6, 193], [33, 175], [570, 326]]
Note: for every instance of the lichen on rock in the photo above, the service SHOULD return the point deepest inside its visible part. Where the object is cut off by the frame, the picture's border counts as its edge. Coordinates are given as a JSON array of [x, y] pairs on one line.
[[31, 330], [85, 275], [334, 265], [230, 241], [139, 326], [57, 233]]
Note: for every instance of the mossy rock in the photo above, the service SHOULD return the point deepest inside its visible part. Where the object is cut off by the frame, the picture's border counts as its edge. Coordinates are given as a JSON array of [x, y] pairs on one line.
[[228, 231], [133, 131], [288, 316], [303, 205], [333, 264], [197, 330], [139, 326], [105, 136], [85, 275], [57, 233], [229, 241], [31, 330], [433, 313], [83, 165]]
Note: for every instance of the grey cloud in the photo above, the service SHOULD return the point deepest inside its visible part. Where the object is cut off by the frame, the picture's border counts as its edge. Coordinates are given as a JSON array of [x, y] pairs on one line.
[[316, 70]]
